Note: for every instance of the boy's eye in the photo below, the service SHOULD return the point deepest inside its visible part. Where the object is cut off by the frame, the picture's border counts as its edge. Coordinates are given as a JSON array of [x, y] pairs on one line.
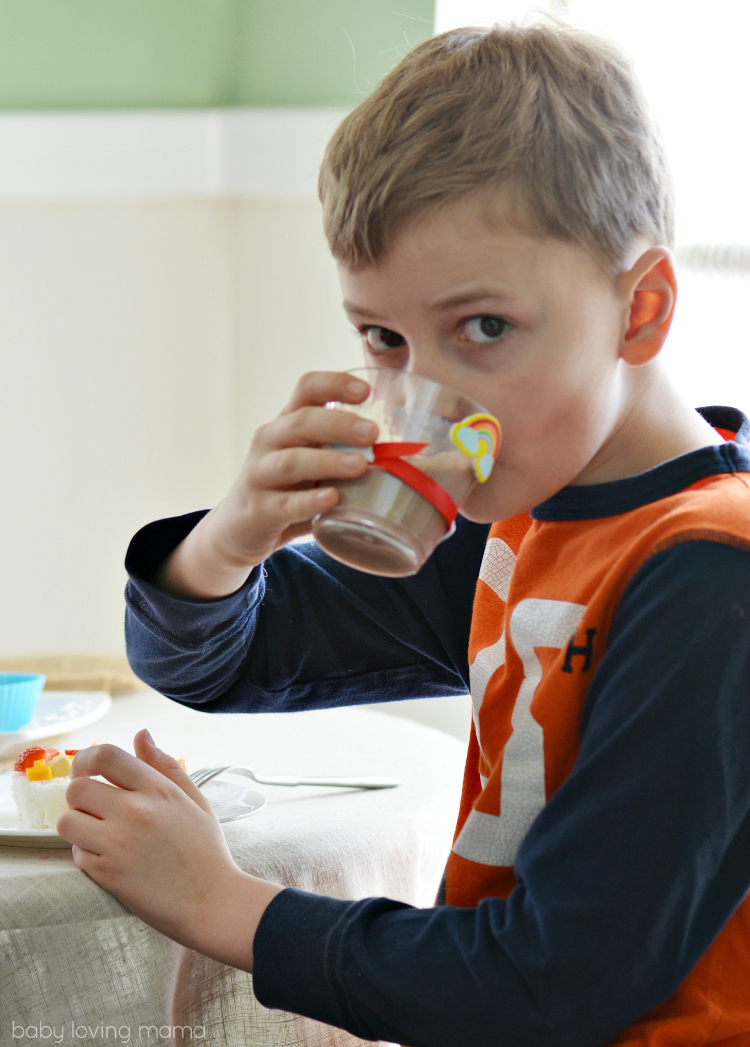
[[380, 338], [485, 328]]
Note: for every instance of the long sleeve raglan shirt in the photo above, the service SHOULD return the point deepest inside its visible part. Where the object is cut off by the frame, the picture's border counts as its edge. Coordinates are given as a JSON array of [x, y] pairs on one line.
[[629, 872]]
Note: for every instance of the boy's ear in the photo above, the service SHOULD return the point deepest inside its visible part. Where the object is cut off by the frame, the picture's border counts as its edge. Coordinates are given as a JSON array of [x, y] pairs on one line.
[[649, 290]]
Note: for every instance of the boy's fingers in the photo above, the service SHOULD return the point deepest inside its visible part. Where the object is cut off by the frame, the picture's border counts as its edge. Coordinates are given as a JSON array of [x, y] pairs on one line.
[[299, 530], [112, 763], [147, 751], [81, 830], [91, 796], [288, 508], [299, 465], [315, 426], [134, 772], [318, 387]]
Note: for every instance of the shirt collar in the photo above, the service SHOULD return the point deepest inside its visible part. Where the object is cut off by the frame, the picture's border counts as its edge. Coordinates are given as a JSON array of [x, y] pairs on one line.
[[593, 501]]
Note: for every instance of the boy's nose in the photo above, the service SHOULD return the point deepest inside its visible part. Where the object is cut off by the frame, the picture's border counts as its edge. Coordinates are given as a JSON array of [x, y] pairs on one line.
[[428, 370], [423, 360]]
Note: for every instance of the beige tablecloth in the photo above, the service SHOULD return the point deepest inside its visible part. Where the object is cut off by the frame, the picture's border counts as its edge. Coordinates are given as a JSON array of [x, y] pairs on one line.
[[77, 968]]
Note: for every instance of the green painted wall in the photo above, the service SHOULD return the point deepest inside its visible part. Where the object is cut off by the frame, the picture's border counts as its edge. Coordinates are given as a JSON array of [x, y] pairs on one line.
[[62, 54], [324, 50]]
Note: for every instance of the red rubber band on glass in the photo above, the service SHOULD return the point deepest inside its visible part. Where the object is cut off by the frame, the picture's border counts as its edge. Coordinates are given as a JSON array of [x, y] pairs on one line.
[[390, 457]]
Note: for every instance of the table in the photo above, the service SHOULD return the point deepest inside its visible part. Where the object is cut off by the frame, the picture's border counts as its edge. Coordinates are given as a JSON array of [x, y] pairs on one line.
[[75, 962]]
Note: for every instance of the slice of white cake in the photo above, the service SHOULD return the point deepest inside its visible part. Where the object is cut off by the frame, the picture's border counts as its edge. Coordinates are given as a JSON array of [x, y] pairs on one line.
[[38, 783], [39, 804]]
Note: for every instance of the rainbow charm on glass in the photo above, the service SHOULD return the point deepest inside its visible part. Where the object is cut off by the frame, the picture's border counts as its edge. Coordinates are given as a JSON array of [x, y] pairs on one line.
[[478, 437]]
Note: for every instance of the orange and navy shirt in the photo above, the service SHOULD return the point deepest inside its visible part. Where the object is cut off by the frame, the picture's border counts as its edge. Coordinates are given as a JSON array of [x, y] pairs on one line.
[[597, 889], [544, 626]]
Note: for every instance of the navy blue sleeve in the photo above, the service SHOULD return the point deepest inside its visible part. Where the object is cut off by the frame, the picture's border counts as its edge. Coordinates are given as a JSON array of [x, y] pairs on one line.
[[304, 630], [623, 881]]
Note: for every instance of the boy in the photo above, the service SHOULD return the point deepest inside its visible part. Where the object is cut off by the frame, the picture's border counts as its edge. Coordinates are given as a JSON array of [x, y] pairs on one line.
[[500, 211]]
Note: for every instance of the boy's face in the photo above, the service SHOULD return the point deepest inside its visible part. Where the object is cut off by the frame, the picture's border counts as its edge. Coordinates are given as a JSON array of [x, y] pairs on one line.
[[526, 324]]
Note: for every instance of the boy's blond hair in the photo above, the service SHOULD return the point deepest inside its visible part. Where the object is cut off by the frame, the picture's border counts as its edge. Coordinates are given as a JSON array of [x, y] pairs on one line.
[[550, 112]]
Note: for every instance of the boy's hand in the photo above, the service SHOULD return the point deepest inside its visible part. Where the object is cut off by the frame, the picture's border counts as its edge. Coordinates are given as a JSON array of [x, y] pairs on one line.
[[275, 496], [156, 844]]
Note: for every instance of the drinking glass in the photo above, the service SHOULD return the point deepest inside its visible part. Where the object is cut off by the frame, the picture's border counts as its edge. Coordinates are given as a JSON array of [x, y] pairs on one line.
[[434, 445]]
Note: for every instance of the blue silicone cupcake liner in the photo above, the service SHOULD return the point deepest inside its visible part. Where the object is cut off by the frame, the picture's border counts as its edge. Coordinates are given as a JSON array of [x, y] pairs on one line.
[[19, 694]]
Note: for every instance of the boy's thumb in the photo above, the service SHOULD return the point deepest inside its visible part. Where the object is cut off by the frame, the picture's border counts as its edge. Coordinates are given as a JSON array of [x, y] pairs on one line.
[[147, 751]]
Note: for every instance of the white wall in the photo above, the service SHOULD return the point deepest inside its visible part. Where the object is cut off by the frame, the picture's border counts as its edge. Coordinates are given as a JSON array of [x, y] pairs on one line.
[[116, 353], [141, 342], [288, 309], [133, 361]]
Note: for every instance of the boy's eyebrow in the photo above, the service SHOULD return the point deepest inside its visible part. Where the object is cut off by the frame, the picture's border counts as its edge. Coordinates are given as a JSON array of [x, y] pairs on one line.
[[352, 307], [473, 294]]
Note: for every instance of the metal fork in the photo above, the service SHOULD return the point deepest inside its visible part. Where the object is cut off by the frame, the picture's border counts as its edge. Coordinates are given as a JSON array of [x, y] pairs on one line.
[[206, 774]]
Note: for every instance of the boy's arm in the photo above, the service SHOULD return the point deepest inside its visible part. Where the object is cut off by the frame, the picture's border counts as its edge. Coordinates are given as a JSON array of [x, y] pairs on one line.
[[208, 623], [624, 880], [304, 630], [156, 809]]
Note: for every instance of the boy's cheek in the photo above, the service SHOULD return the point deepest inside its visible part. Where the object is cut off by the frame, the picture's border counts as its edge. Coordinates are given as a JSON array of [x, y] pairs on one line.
[[511, 489]]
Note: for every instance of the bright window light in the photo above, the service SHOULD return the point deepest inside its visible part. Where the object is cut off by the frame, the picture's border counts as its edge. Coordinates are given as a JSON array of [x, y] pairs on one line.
[[692, 60]]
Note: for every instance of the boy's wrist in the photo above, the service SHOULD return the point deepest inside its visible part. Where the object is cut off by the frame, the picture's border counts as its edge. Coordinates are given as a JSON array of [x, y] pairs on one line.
[[198, 570], [226, 928]]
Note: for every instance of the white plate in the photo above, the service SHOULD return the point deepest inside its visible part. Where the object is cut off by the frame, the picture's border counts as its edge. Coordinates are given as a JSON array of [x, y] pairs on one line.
[[233, 801], [230, 800], [58, 712]]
